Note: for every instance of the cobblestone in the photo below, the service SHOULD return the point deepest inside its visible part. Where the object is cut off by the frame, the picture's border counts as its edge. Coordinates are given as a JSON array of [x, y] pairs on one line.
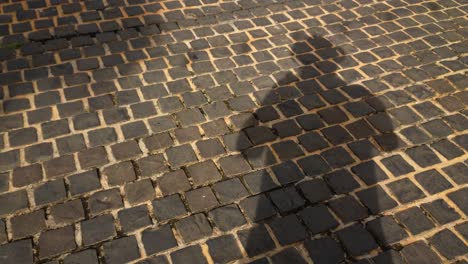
[[57, 241], [220, 131], [21, 224], [158, 240]]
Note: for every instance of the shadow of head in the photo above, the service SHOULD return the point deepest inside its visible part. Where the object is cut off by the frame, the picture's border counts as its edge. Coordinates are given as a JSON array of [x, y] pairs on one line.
[[312, 145]]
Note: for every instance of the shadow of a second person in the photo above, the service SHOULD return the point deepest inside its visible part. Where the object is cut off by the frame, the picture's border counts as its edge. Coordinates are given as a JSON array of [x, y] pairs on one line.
[[311, 145]]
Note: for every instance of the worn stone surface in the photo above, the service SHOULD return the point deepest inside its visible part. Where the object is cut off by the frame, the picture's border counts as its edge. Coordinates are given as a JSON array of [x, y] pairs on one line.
[[209, 131]]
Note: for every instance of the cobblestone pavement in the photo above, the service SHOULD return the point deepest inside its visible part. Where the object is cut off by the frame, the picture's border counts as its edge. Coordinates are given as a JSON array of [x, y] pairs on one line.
[[210, 131]]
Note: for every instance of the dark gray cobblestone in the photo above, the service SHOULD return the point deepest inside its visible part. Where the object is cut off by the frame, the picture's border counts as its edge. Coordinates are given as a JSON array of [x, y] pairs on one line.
[[207, 131]]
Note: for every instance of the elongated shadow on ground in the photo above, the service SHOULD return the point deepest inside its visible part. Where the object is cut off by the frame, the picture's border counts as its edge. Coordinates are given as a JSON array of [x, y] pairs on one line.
[[314, 134]]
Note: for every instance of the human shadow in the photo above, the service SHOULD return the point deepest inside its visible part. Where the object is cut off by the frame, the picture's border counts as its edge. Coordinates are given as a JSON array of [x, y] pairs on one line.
[[312, 145]]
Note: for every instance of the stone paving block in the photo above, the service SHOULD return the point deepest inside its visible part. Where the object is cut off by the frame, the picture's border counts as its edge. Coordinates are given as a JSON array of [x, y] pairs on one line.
[[397, 165], [333, 115], [227, 217], [3, 234], [65, 110], [93, 157], [139, 191], [102, 136], [192, 254], [341, 181], [151, 165], [448, 244], [126, 150], [386, 230], [68, 212], [23, 176], [259, 181], [247, 121], [389, 255], [433, 181], [121, 250], [289, 254], [360, 129], [193, 227], [416, 135], [259, 135], [134, 130], [156, 259], [190, 117], [4, 181], [256, 240], [325, 250], [287, 172], [158, 141], [115, 115], [419, 252], [356, 240], [119, 173], [336, 135], [180, 155], [71, 144], [287, 150], [84, 182], [157, 240], [405, 190], [389, 141], [134, 218], [28, 224], [423, 156], [348, 209], [203, 173], [57, 241], [368, 198], [50, 192], [414, 219], [313, 165], [267, 113], [294, 232], [441, 211], [9, 160], [457, 172], [337, 157], [105, 200], [161, 124], [97, 229], [173, 182], [169, 207], [20, 251], [187, 134], [59, 166], [369, 172], [236, 141], [10, 122], [286, 200], [363, 149], [230, 190], [447, 149], [457, 121], [257, 207], [224, 249], [459, 198], [233, 165], [461, 228], [210, 148], [24, 136], [201, 199], [88, 256]]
